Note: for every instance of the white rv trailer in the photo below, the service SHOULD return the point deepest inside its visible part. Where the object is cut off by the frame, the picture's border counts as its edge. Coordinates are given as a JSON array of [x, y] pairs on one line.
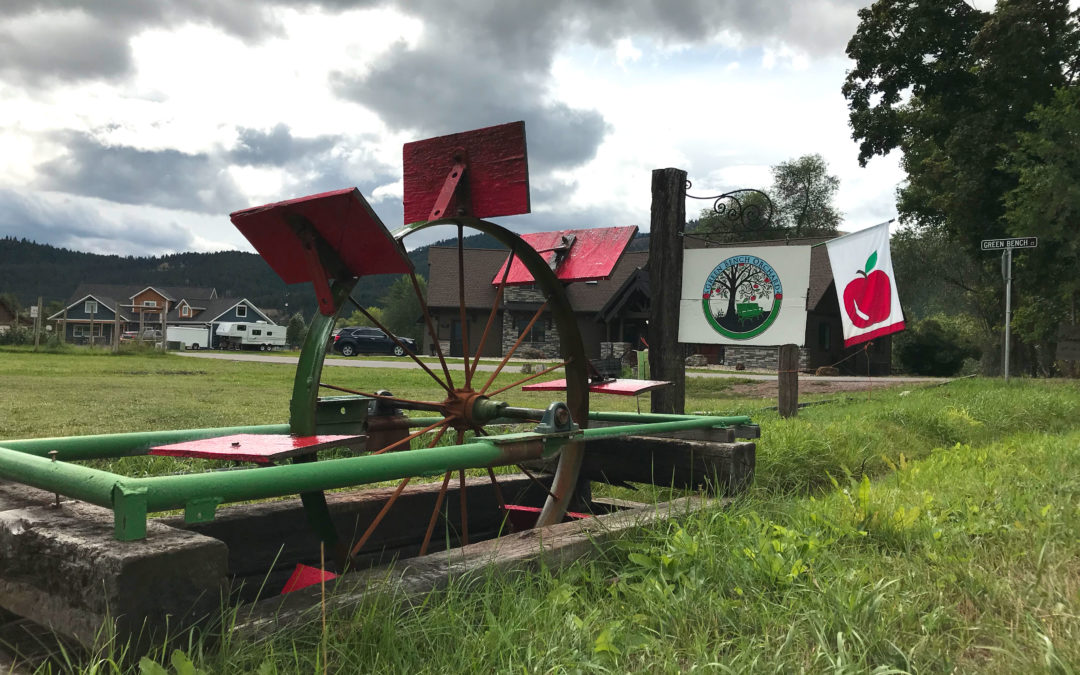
[[242, 335]]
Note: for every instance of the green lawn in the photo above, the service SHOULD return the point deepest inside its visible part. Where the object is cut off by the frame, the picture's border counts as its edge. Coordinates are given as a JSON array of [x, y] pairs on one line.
[[928, 531]]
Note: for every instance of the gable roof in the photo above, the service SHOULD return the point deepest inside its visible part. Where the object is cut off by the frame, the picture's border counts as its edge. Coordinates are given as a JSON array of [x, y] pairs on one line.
[[210, 310], [128, 291], [106, 301], [483, 264]]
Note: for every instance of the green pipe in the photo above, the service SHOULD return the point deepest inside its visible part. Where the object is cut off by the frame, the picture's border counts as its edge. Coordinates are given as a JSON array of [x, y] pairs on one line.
[[103, 446], [661, 427], [171, 492], [654, 417], [71, 480]]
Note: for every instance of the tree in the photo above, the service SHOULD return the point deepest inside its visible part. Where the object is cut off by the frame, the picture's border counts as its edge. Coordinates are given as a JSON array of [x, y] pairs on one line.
[[952, 88], [357, 318], [798, 204], [1046, 202], [804, 191], [401, 308], [296, 330]]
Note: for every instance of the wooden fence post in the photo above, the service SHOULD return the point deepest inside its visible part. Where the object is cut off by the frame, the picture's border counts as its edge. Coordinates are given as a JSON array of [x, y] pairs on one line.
[[788, 380], [665, 285]]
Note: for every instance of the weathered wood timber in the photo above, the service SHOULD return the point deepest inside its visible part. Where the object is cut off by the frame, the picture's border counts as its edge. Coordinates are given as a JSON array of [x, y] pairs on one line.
[[788, 380], [665, 283], [719, 468], [554, 547]]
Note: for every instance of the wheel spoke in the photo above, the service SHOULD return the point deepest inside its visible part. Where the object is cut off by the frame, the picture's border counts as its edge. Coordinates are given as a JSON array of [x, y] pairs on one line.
[[461, 305], [448, 385], [411, 404], [491, 316], [464, 508], [498, 490], [538, 482], [521, 338], [431, 329], [378, 518], [442, 422], [545, 371], [435, 513]]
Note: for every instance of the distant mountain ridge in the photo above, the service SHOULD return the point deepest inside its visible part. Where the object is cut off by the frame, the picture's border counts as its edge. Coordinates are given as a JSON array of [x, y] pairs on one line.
[[29, 269]]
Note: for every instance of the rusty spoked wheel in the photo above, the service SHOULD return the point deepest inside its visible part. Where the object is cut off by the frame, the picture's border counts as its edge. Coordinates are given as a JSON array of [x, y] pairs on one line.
[[470, 398]]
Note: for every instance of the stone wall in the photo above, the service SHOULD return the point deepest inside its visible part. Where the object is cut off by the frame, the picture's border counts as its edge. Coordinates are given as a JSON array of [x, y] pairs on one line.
[[549, 347], [758, 358], [614, 350]]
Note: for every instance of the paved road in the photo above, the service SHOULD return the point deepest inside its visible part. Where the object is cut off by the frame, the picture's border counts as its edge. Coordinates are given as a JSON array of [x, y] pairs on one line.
[[455, 364]]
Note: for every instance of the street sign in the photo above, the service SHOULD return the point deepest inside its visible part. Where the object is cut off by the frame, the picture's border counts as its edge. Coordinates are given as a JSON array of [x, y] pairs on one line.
[[1015, 242], [33, 312]]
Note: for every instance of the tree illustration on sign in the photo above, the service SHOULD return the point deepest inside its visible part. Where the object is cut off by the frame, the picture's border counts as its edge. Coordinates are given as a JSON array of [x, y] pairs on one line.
[[742, 283]]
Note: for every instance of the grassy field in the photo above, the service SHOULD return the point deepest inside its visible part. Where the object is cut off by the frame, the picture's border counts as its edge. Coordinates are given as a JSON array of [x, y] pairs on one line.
[[927, 531]]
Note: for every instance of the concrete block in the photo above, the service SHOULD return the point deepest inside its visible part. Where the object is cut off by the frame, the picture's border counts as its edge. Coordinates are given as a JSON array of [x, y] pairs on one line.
[[62, 568]]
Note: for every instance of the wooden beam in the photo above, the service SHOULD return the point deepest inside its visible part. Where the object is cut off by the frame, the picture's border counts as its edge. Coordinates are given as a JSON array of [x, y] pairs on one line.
[[788, 380], [553, 547], [665, 284], [719, 468]]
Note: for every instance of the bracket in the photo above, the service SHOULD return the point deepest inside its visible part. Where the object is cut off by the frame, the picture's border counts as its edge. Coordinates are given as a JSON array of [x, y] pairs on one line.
[[129, 512]]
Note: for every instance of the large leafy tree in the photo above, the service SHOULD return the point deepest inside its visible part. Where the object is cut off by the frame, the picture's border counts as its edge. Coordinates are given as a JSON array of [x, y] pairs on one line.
[[803, 190], [952, 88], [798, 204]]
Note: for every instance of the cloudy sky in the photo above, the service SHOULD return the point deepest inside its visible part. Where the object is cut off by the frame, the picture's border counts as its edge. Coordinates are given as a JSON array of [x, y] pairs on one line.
[[135, 126]]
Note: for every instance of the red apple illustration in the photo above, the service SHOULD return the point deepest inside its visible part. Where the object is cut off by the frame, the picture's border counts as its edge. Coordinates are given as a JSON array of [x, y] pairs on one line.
[[868, 298]]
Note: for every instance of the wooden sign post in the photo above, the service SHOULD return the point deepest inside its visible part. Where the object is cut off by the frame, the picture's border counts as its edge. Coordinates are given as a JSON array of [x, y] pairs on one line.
[[665, 285]]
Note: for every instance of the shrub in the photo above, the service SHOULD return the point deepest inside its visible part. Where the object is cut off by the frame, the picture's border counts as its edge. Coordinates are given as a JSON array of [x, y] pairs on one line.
[[935, 346]]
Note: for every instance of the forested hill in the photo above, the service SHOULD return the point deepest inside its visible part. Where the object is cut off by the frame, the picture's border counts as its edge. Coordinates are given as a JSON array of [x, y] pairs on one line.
[[29, 270]]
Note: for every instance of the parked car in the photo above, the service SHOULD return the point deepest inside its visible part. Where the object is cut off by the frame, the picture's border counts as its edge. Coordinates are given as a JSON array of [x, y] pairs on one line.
[[365, 340], [149, 335]]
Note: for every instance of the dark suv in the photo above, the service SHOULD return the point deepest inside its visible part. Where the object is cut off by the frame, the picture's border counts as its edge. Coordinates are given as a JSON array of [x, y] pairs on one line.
[[364, 340]]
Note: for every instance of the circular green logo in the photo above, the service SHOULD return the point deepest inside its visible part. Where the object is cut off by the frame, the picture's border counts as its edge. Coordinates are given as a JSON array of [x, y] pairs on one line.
[[741, 297]]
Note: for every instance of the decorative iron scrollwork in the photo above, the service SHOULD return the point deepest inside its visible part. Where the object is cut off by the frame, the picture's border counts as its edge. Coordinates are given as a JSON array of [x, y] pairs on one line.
[[746, 209]]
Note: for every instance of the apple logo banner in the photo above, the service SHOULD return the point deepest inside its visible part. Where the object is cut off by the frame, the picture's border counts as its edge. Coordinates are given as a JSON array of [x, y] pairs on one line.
[[865, 285]]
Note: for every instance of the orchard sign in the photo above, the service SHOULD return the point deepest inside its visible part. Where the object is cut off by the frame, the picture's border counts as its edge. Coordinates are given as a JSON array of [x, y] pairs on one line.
[[742, 297]]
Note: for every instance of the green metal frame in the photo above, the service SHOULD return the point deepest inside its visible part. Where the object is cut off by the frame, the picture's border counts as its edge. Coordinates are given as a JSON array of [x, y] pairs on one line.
[[132, 499], [50, 463]]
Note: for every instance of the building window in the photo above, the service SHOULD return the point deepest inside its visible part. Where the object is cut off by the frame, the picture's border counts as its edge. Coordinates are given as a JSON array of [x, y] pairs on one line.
[[80, 330], [185, 311], [536, 334], [241, 311], [149, 303], [90, 307]]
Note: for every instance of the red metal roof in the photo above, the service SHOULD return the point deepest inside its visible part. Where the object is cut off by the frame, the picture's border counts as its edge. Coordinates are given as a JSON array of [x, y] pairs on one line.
[[586, 255]]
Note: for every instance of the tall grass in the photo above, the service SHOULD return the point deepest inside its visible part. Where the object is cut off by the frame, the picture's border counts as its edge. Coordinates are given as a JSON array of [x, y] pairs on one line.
[[932, 531]]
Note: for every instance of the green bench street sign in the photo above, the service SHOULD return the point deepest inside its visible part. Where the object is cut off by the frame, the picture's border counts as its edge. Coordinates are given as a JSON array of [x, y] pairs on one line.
[[1015, 242]]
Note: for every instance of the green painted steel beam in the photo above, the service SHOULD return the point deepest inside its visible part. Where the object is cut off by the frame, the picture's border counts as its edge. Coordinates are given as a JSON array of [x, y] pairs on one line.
[[71, 480], [104, 446], [686, 423], [173, 492]]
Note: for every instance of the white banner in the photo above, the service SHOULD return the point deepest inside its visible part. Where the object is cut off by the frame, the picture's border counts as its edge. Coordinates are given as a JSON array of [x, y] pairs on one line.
[[745, 295], [865, 284]]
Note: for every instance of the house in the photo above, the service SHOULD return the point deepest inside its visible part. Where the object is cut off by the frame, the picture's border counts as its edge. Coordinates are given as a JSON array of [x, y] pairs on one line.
[[520, 304], [612, 315], [207, 313], [97, 313]]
